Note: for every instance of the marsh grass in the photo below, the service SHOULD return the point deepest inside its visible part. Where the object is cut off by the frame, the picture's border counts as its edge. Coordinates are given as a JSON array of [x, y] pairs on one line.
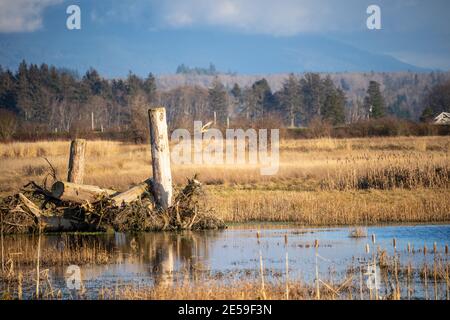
[[409, 282], [320, 163], [320, 181], [358, 232], [332, 207], [21, 252], [403, 275]]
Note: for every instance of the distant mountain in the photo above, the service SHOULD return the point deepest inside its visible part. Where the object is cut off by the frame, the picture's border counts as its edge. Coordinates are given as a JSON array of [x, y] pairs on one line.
[[115, 55], [251, 56]]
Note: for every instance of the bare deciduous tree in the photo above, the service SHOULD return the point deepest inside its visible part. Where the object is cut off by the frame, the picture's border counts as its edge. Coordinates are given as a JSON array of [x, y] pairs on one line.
[[8, 124]]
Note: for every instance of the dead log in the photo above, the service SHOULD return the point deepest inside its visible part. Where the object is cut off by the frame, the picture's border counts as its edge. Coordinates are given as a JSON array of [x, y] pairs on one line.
[[76, 161], [162, 175], [51, 223], [133, 193], [31, 207], [79, 193], [61, 224]]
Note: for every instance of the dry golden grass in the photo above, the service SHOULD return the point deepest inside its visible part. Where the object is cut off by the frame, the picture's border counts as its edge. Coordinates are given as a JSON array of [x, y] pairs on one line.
[[323, 180], [21, 251], [333, 207], [213, 291]]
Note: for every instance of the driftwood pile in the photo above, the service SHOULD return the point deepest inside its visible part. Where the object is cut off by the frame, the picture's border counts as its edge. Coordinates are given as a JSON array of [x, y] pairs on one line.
[[74, 207]]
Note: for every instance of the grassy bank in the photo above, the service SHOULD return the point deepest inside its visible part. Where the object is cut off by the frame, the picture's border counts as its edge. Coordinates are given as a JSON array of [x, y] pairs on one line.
[[333, 207], [320, 181]]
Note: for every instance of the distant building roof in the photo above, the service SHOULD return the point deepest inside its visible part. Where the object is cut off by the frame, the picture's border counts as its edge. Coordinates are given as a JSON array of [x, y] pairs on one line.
[[443, 118]]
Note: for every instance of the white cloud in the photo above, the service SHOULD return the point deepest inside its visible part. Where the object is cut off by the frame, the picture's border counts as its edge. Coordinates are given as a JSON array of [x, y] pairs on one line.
[[290, 17], [179, 19], [282, 17], [23, 15], [276, 17]]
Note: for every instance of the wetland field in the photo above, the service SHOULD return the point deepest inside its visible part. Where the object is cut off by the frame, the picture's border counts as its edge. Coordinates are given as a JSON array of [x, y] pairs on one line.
[[342, 219]]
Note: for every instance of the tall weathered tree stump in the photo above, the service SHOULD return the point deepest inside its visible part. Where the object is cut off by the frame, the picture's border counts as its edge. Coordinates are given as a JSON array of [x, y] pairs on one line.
[[159, 141], [76, 161]]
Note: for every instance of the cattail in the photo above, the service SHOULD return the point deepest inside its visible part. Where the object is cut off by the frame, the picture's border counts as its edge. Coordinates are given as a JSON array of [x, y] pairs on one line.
[[446, 249], [316, 243], [425, 249], [434, 248], [286, 239], [257, 236], [409, 247], [367, 248], [394, 243], [19, 286], [373, 238]]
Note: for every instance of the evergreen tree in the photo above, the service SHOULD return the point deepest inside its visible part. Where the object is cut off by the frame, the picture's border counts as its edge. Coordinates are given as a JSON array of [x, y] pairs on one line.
[[182, 69], [218, 101], [24, 93], [134, 84], [8, 94], [92, 82], [427, 115], [291, 99], [374, 101], [212, 69], [263, 100], [150, 88], [333, 109], [236, 91], [312, 92]]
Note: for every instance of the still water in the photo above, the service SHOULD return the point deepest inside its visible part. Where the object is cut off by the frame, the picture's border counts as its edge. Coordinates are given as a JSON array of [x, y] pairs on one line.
[[234, 254]]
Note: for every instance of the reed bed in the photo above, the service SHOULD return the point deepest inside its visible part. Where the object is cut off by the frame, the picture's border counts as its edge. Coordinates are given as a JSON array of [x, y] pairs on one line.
[[393, 179], [396, 282], [21, 251], [326, 163], [333, 207]]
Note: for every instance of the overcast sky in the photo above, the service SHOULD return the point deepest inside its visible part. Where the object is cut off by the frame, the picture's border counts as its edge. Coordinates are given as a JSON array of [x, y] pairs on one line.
[[413, 31]]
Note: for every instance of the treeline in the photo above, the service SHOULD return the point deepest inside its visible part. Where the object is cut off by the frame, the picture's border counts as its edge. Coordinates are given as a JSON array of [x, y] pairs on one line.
[[44, 99], [403, 92], [184, 69], [199, 71], [436, 102], [39, 100], [382, 127]]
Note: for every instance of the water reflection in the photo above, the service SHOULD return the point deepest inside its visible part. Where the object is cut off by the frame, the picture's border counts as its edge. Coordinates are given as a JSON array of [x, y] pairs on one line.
[[163, 259]]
